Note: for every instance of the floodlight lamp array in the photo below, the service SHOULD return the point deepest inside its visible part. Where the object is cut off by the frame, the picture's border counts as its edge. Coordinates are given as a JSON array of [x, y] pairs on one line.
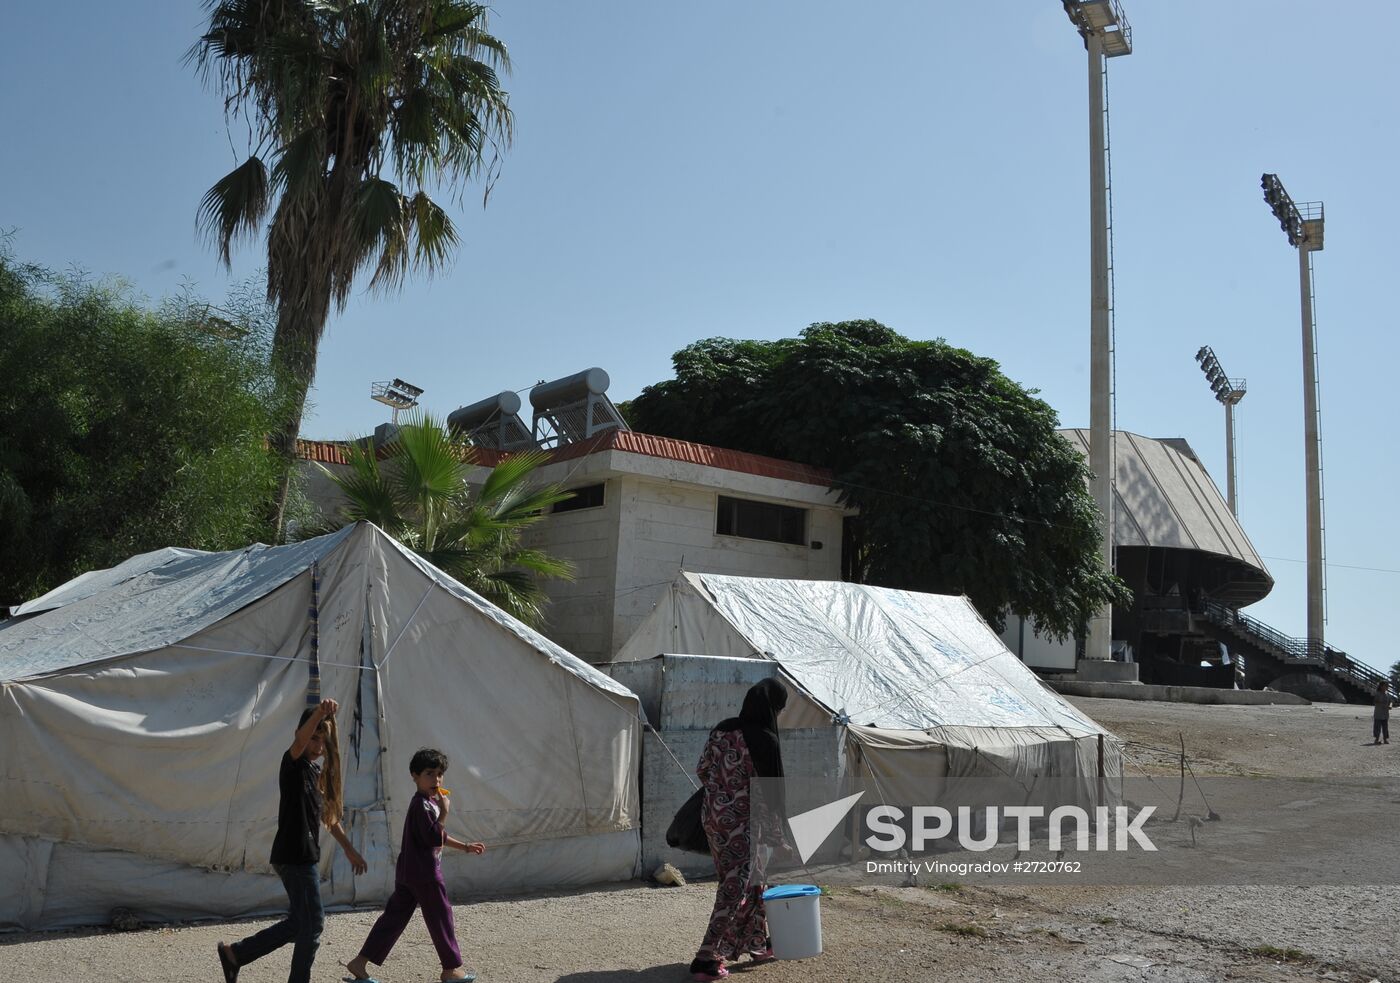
[[398, 394], [1289, 218], [1226, 390], [1105, 19]]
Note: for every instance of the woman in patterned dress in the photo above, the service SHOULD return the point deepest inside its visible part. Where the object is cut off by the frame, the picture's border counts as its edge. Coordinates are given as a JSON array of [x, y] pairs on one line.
[[740, 749]]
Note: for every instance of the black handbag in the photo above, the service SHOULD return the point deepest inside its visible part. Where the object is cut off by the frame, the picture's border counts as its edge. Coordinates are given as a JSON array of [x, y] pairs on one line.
[[685, 832]]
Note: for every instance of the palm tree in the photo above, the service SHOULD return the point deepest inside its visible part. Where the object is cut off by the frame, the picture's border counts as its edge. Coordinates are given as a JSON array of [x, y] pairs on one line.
[[338, 94], [415, 489]]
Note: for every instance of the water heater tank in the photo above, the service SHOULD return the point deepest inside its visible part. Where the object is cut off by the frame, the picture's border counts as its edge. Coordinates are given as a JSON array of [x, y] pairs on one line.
[[468, 418], [570, 389]]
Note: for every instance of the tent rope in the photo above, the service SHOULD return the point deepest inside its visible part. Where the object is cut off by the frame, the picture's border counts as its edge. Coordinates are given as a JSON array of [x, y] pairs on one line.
[[399, 637], [263, 655], [684, 770]]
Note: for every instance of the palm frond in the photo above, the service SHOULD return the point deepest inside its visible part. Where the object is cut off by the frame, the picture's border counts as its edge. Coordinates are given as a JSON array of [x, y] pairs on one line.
[[429, 470], [453, 19], [510, 473], [414, 133], [235, 205], [376, 53], [481, 529], [540, 563], [434, 235], [514, 592], [528, 504], [300, 163], [368, 491], [379, 230], [232, 34], [431, 462], [473, 112]]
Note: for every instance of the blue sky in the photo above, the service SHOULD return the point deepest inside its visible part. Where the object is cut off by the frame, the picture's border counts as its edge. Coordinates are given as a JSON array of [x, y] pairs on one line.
[[683, 171]]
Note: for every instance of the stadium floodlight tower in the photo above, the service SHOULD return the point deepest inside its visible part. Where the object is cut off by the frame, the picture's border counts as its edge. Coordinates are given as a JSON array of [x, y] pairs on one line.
[[1106, 35], [398, 395], [1229, 392], [1302, 223]]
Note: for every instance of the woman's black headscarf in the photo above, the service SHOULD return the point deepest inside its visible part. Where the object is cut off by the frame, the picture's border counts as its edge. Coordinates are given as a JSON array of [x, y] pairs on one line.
[[758, 719]]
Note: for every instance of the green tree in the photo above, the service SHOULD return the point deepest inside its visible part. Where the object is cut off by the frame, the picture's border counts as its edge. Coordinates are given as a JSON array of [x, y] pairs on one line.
[[415, 488], [125, 429], [1395, 677], [961, 482], [340, 96]]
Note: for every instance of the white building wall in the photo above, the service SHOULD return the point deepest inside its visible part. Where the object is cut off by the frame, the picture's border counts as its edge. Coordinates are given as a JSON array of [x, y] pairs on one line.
[[667, 526], [323, 494], [578, 614], [658, 516], [1035, 650]]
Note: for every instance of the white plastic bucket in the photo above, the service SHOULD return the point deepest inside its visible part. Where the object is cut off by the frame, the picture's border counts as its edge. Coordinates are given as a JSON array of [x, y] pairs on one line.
[[794, 920]]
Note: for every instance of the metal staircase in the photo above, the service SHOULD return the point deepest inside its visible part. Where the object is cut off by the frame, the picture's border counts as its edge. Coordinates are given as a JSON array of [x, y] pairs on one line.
[[1356, 680]]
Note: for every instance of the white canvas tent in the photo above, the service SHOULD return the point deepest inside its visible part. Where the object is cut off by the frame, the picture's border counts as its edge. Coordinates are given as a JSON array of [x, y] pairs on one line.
[[145, 709], [924, 685]]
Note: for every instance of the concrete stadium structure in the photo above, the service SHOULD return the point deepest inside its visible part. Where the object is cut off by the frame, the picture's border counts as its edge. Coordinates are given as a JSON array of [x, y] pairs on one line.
[[1191, 568]]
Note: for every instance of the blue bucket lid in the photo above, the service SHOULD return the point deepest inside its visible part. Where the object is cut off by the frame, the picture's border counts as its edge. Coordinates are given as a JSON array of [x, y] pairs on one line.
[[783, 891]]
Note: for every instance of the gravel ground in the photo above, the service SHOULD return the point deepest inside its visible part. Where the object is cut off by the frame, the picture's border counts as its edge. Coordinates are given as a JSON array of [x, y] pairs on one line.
[[1006, 934], [1323, 740]]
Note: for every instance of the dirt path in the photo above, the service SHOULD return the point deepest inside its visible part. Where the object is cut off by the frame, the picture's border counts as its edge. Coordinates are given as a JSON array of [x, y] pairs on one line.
[[644, 934]]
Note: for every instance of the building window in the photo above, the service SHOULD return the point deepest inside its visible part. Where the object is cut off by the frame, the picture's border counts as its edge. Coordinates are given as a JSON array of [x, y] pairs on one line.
[[585, 497], [761, 520]]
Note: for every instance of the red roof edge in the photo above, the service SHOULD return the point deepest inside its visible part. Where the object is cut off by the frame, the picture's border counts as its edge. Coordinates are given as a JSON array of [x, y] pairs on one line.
[[627, 442], [334, 452]]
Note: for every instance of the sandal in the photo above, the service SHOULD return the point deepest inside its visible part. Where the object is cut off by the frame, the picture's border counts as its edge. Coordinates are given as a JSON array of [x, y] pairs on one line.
[[762, 956], [707, 970], [356, 979], [230, 967]]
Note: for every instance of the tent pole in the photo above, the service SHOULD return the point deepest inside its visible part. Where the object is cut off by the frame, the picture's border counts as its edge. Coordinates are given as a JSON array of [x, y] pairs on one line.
[[1102, 775], [384, 745]]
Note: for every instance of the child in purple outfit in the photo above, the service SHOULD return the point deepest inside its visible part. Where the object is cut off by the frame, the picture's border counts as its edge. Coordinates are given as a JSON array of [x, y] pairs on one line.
[[418, 876]]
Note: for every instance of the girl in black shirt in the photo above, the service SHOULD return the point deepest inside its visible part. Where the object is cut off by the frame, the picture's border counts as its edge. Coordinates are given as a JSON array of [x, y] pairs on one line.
[[310, 797]]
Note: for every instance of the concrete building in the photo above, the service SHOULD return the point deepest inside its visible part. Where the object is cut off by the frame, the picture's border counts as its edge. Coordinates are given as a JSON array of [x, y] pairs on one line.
[[1191, 568], [1175, 540], [647, 508]]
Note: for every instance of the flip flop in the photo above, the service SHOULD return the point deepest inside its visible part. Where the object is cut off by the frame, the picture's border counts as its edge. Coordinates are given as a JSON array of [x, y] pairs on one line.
[[230, 970], [359, 979]]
